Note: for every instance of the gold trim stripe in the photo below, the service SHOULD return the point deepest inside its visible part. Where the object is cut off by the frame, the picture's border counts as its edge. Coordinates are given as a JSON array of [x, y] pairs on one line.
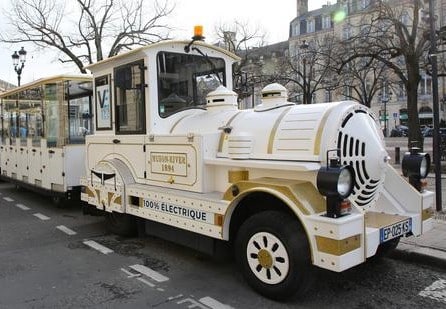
[[223, 134], [295, 190], [427, 213], [236, 176], [317, 140], [338, 247], [274, 130], [90, 192]]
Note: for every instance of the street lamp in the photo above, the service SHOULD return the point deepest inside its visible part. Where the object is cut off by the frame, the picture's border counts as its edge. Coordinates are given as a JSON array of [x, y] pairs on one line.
[[304, 47], [18, 61], [385, 98]]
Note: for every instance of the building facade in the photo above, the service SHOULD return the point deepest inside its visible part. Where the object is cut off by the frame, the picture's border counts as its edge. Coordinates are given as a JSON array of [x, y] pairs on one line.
[[346, 18], [4, 86]]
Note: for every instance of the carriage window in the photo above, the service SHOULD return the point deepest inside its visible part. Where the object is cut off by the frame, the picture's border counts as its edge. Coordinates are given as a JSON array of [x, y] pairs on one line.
[[9, 121], [53, 127], [129, 94], [184, 80], [30, 116], [79, 101]]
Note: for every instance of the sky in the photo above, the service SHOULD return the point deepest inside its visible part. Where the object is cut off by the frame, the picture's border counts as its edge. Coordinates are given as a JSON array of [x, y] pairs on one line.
[[274, 18]]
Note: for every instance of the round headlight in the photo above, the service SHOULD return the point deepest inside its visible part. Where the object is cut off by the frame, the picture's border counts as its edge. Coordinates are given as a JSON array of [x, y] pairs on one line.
[[424, 167], [336, 181], [416, 164], [345, 182]]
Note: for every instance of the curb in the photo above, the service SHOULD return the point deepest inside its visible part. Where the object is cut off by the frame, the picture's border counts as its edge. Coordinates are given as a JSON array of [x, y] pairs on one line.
[[420, 255]]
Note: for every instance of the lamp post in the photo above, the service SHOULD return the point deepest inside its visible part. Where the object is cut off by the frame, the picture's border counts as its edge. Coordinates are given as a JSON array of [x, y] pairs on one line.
[[436, 137], [18, 61], [385, 98], [304, 47]]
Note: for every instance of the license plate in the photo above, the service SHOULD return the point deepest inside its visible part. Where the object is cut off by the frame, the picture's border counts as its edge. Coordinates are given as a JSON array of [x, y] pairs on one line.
[[395, 230]]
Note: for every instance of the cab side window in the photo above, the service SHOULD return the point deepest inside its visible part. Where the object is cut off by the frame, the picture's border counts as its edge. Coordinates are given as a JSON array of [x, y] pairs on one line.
[[129, 94]]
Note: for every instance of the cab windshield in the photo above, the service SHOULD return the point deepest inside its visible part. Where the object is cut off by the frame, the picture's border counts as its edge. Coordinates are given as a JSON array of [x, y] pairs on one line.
[[184, 80]]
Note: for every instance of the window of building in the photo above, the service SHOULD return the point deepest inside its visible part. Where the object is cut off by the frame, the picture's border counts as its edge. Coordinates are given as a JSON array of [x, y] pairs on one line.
[[405, 18], [303, 26], [365, 4], [346, 32], [347, 92], [402, 90], [311, 25], [326, 22], [129, 98], [425, 87], [318, 23]]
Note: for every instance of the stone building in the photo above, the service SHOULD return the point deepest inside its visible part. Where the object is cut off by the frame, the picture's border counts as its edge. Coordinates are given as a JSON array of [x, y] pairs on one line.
[[342, 19], [258, 66], [4, 86]]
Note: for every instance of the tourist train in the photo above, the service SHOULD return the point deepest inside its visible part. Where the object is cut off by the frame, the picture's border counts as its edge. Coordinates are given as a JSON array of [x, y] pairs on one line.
[[155, 140]]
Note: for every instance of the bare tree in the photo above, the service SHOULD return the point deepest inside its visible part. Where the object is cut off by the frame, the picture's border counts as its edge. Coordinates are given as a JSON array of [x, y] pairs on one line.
[[365, 78], [89, 30], [245, 40], [240, 35], [396, 36], [310, 70]]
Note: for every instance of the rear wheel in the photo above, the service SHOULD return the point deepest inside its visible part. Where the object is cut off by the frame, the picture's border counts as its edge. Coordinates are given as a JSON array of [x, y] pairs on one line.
[[121, 224], [386, 248], [273, 254]]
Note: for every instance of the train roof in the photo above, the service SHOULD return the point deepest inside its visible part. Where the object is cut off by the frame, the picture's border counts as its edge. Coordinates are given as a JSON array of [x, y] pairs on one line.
[[47, 80], [164, 43]]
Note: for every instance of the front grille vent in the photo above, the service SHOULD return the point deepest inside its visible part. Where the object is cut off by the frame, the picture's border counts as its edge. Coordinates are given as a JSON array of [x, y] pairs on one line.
[[354, 153]]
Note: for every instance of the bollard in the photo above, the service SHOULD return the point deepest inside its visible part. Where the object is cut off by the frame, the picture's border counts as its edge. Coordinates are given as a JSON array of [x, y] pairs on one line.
[[397, 155]]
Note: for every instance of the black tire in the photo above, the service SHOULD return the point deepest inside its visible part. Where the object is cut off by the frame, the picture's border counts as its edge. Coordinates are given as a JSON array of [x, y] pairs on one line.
[[386, 248], [277, 244], [59, 202], [121, 224]]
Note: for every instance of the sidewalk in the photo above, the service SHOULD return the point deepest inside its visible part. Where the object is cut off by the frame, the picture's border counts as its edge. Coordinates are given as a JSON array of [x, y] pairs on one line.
[[429, 248]]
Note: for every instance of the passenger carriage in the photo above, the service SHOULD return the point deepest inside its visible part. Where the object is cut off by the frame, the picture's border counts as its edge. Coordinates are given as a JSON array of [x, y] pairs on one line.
[[43, 129]]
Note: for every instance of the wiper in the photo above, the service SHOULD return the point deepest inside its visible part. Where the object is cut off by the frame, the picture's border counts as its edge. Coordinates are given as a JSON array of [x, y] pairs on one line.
[[209, 61]]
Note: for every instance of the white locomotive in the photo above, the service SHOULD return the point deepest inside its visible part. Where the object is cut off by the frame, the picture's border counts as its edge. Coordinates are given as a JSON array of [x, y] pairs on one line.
[[288, 186]]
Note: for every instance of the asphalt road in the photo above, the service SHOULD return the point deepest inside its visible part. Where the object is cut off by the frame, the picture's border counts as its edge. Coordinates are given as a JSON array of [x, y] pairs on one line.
[[59, 258]]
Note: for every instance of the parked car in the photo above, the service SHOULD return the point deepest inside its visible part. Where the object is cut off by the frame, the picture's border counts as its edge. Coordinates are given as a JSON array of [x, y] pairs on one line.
[[429, 132], [399, 131]]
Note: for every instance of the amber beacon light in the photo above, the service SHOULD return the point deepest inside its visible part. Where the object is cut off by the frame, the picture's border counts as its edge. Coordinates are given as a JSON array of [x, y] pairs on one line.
[[198, 33], [198, 36]]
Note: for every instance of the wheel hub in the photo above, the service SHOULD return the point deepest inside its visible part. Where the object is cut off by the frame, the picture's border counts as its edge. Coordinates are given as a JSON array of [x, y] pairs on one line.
[[265, 258]]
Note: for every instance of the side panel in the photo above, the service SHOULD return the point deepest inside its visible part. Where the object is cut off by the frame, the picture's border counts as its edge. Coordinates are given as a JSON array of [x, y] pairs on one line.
[[35, 166], [12, 162], [98, 147], [130, 150], [74, 164], [22, 164], [175, 162], [52, 167]]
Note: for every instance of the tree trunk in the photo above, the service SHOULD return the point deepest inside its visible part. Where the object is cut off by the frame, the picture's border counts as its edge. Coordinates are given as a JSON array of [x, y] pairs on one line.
[[415, 138]]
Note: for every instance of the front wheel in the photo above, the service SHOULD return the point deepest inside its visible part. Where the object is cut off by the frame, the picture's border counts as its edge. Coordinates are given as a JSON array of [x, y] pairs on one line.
[[273, 254], [121, 224]]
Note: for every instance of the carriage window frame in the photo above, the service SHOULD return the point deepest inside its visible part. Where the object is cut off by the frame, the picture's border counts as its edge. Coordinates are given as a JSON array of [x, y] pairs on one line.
[[141, 106], [103, 80]]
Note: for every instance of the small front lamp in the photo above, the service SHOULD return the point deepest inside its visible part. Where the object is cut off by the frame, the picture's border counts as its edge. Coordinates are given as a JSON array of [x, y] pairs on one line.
[[336, 183], [416, 166]]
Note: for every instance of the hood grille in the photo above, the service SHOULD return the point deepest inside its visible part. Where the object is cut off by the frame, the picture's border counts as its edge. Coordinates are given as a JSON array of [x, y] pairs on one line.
[[354, 152]]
